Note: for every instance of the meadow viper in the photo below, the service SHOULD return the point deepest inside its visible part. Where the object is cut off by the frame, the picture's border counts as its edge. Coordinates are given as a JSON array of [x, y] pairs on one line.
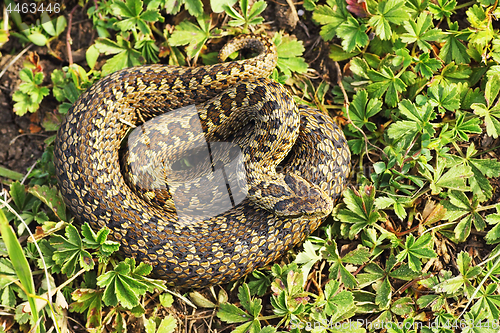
[[295, 165]]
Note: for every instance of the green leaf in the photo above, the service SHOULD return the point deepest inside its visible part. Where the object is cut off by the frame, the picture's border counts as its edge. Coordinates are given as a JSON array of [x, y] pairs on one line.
[[331, 17], [88, 300], [7, 285], [337, 301], [18, 194], [444, 97], [453, 49], [384, 294], [385, 82], [401, 307], [388, 11], [453, 179], [353, 35], [421, 33], [290, 56], [442, 8], [70, 252], [167, 324], [247, 17], [30, 94], [99, 241], [125, 56], [231, 314], [308, 257], [361, 109], [19, 263], [133, 17], [491, 118], [47, 24], [416, 250], [337, 53], [194, 7], [37, 38], [492, 88], [337, 268], [125, 284], [7, 173], [218, 5], [91, 56], [427, 66], [358, 256], [488, 302], [494, 234], [463, 127], [360, 212], [51, 197], [189, 33]]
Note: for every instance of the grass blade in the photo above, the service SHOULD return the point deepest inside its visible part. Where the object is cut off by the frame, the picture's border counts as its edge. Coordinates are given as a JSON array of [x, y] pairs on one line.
[[20, 264]]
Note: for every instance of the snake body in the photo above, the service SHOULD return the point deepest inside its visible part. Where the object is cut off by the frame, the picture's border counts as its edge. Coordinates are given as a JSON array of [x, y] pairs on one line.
[[296, 162]]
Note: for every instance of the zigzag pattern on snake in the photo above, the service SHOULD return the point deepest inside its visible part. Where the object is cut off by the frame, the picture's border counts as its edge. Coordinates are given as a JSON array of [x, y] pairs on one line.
[[234, 102]]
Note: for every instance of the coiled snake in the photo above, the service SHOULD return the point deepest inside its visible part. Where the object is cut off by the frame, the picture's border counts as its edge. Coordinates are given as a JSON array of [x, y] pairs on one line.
[[295, 159]]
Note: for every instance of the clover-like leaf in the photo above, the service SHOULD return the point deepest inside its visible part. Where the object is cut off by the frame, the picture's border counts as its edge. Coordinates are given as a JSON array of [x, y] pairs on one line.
[[70, 251], [416, 250], [124, 284], [388, 11], [444, 97], [453, 49], [133, 15], [427, 66], [385, 82], [420, 32], [362, 108], [331, 16], [361, 211], [353, 35]]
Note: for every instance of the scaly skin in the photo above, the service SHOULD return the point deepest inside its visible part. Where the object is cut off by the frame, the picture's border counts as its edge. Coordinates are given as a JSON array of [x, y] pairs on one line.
[[205, 252]]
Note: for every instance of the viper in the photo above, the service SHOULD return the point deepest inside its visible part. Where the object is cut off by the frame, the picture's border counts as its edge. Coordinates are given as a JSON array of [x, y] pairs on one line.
[[279, 165]]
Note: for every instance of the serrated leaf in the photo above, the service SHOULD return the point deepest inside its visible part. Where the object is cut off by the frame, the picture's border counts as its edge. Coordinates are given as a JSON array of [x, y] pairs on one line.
[[50, 196], [290, 56], [384, 294], [231, 314], [308, 257], [125, 283], [388, 11], [454, 50], [453, 179], [330, 18], [421, 33], [70, 252], [167, 324], [385, 82], [358, 256], [88, 300], [18, 194], [427, 66], [491, 118], [492, 88], [444, 97], [442, 8], [416, 250], [353, 35]]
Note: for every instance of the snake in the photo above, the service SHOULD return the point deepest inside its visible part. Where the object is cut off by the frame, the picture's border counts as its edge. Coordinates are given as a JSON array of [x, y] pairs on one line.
[[286, 165]]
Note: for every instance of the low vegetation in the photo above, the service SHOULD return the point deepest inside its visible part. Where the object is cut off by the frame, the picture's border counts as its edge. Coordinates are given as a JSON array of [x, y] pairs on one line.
[[411, 247]]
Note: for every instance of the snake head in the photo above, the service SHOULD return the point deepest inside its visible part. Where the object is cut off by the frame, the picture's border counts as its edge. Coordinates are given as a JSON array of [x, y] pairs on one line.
[[291, 196]]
